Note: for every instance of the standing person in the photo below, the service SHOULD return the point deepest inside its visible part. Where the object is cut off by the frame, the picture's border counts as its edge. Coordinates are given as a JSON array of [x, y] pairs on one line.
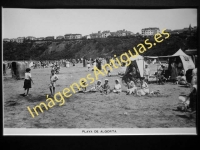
[[53, 79], [146, 73], [174, 73], [67, 64], [193, 90], [88, 65], [84, 63], [161, 76], [27, 81]]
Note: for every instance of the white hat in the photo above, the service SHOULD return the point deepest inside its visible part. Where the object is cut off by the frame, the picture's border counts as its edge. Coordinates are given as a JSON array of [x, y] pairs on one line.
[[106, 79]]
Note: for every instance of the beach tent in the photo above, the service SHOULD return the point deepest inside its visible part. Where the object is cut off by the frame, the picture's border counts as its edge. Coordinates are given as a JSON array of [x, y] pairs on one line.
[[18, 69], [185, 59], [181, 57], [139, 62]]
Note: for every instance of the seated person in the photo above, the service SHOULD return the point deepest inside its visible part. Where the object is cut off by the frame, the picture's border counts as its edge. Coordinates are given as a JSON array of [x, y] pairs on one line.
[[181, 78], [105, 87], [83, 89], [132, 87], [97, 87], [161, 75], [193, 96], [144, 87], [117, 87]]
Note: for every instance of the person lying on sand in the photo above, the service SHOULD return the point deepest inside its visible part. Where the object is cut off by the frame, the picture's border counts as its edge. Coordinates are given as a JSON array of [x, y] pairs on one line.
[[117, 87]]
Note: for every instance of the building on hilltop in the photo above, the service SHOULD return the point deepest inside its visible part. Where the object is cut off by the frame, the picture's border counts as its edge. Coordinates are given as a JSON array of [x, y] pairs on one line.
[[49, 38], [121, 32], [150, 31], [40, 38], [20, 39], [6, 40], [105, 34], [13, 40], [60, 37], [30, 38], [73, 36], [96, 35]]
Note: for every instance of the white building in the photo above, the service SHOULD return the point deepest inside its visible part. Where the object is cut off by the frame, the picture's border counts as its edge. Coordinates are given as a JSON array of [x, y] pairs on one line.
[[150, 31]]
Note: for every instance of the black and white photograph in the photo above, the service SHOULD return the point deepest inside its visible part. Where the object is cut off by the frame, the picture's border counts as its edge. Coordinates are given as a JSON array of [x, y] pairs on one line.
[[99, 71]]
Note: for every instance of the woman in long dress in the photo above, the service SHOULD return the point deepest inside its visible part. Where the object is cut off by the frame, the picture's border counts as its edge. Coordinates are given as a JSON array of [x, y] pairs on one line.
[[174, 72]]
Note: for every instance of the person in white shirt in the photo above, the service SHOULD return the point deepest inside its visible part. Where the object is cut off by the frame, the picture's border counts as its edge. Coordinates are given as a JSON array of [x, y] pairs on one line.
[[27, 81], [88, 65], [117, 87], [97, 87], [144, 88], [146, 73], [53, 79], [132, 87]]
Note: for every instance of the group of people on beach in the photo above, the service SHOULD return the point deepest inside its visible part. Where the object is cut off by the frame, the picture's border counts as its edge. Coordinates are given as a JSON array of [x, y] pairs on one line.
[[132, 88]]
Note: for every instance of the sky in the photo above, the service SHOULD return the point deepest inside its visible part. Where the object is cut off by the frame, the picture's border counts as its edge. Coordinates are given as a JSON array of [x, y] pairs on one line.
[[56, 22]]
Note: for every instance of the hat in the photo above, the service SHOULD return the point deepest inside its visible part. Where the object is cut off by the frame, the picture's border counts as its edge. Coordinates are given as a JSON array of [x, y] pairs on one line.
[[106, 79], [99, 81], [117, 80], [28, 69]]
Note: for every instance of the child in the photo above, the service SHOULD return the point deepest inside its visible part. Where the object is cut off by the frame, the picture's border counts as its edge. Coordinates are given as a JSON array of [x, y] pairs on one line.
[[97, 87], [144, 87], [27, 81], [117, 88], [132, 87], [106, 87], [88, 65], [83, 89], [53, 79]]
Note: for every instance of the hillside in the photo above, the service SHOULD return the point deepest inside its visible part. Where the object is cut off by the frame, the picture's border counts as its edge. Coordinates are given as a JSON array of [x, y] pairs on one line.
[[42, 50]]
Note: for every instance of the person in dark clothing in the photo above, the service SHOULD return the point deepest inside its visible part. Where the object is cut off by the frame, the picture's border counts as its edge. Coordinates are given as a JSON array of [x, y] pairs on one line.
[[193, 98], [161, 76]]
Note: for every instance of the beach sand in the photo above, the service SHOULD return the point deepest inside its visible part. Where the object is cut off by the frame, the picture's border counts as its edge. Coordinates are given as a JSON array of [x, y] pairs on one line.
[[92, 110]]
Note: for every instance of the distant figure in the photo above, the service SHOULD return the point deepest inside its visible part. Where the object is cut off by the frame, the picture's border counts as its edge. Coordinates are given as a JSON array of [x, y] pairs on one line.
[[146, 73], [84, 62], [88, 65], [27, 81], [98, 64], [53, 79], [174, 73], [67, 64]]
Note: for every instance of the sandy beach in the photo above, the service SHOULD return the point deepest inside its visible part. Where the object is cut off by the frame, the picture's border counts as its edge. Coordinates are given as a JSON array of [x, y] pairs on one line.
[[92, 110]]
